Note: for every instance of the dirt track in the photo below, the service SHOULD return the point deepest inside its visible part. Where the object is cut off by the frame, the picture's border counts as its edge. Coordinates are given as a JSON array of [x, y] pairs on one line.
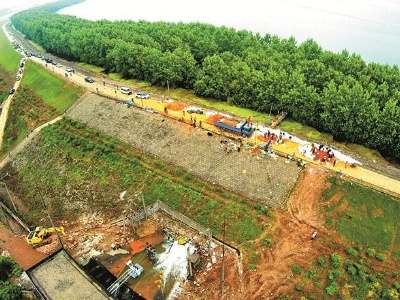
[[266, 180]]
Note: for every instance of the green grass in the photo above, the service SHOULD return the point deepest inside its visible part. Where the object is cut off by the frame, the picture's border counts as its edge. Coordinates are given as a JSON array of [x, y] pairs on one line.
[[54, 91], [9, 58], [371, 218]]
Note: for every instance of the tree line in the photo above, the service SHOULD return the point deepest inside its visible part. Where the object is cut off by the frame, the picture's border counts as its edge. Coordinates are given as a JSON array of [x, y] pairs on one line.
[[337, 93]]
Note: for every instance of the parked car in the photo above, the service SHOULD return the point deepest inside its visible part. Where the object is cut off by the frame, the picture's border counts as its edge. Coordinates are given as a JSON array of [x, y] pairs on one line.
[[12, 91], [125, 90], [58, 65], [89, 79], [21, 64], [194, 110], [18, 78], [142, 95], [69, 69]]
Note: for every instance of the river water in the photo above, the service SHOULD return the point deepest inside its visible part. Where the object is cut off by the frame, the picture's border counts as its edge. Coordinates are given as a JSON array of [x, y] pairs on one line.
[[366, 27]]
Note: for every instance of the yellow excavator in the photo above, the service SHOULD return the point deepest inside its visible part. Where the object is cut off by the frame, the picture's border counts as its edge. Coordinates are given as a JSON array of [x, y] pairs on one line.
[[37, 237]]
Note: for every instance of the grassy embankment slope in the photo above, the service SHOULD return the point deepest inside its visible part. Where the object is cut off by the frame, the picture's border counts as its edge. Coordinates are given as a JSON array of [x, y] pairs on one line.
[[40, 98], [9, 60]]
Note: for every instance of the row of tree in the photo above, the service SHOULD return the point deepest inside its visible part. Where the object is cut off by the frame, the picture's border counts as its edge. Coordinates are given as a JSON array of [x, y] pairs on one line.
[[335, 92]]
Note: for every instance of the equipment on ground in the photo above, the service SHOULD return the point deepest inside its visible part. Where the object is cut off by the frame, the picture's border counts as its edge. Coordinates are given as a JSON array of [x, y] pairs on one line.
[[38, 236], [182, 240], [134, 270]]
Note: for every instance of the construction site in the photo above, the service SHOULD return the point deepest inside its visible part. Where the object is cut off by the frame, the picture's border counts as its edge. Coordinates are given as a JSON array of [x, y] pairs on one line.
[[158, 253]]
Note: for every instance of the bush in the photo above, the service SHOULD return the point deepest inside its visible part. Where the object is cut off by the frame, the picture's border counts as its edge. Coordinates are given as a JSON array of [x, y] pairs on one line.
[[396, 285], [371, 278], [351, 251], [299, 288], [336, 260], [251, 267], [266, 241], [380, 256], [9, 291], [334, 274], [296, 269], [332, 288], [351, 270], [8, 268], [310, 274], [371, 252], [321, 261]]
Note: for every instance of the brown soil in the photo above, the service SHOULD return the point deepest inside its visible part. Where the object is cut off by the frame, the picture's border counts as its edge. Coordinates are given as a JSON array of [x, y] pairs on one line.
[[16, 247]]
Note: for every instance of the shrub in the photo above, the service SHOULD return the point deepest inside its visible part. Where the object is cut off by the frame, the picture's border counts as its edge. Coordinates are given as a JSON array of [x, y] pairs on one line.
[[351, 251], [296, 269], [332, 288], [371, 278], [264, 210], [396, 285], [380, 256], [251, 267], [371, 252], [351, 270], [9, 291], [321, 261], [336, 260], [8, 268], [266, 241], [299, 288], [334, 274], [310, 274]]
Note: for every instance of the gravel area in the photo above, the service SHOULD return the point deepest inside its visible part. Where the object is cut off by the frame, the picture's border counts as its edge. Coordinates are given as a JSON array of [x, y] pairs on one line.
[[267, 180]]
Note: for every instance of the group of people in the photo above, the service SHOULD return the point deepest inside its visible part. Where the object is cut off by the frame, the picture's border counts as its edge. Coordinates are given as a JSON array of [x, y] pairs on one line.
[[323, 154]]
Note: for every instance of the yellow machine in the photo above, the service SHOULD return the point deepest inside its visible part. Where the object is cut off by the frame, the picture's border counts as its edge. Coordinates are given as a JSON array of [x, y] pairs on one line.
[[40, 234], [182, 240]]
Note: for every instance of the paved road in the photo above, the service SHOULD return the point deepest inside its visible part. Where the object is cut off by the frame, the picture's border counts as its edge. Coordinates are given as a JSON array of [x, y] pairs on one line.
[[110, 89]]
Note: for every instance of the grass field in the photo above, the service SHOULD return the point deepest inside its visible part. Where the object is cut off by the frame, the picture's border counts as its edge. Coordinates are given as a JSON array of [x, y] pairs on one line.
[[9, 58], [364, 216], [40, 98], [54, 91]]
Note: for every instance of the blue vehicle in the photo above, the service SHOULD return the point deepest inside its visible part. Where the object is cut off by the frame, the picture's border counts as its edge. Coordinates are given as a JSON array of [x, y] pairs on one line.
[[244, 129]]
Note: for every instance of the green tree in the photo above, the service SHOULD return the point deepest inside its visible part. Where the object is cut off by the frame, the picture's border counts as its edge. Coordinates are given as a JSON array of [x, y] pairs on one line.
[[9, 291]]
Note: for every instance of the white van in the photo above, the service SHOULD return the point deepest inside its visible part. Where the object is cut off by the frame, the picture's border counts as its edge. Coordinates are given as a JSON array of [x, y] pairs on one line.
[[125, 90]]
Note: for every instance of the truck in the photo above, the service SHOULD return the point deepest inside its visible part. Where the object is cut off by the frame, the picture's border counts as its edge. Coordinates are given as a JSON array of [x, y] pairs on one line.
[[244, 129]]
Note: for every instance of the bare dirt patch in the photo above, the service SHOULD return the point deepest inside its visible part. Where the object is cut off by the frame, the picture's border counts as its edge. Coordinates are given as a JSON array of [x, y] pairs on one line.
[[291, 239]]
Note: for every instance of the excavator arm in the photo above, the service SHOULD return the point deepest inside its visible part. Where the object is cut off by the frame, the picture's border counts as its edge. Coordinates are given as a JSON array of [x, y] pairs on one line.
[[40, 233]]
